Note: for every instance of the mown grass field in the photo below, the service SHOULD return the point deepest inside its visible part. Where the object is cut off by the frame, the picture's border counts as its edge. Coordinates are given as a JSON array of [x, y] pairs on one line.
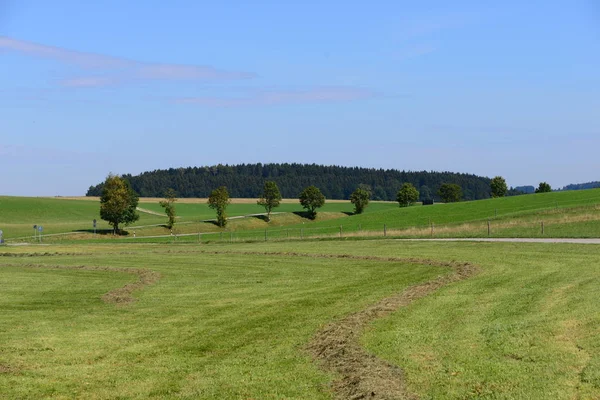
[[234, 320]]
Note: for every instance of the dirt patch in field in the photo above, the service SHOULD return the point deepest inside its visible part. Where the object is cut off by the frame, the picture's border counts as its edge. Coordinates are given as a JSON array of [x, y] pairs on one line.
[[122, 295], [47, 254], [7, 369]]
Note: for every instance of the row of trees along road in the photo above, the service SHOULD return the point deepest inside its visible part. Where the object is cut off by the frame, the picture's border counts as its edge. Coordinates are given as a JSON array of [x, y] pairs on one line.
[[119, 201]]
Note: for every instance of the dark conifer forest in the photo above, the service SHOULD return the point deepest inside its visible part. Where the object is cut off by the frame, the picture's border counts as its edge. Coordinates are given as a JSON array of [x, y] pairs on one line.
[[247, 180]]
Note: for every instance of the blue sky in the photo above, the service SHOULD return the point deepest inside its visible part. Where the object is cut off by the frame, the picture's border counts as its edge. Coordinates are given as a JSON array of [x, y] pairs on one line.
[[507, 88]]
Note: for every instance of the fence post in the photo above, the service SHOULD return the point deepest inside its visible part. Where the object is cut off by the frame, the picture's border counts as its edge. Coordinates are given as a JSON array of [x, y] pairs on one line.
[[488, 227], [384, 230], [542, 227]]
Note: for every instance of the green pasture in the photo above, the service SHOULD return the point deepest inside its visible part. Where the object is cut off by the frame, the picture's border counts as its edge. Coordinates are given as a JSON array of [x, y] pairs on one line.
[[200, 211], [56, 215], [232, 321], [468, 211], [564, 214]]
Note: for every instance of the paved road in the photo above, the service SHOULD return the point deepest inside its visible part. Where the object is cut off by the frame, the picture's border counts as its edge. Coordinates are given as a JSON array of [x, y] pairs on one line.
[[512, 240]]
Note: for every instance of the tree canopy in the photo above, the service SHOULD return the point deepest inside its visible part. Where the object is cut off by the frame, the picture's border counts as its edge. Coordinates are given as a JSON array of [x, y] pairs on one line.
[[218, 201], [450, 193], [169, 205], [498, 187], [360, 198], [544, 187], [311, 198], [335, 182], [407, 195], [270, 198], [118, 202]]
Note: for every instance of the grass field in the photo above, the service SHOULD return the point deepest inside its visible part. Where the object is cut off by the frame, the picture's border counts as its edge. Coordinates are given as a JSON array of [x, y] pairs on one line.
[[564, 214], [236, 321], [63, 215]]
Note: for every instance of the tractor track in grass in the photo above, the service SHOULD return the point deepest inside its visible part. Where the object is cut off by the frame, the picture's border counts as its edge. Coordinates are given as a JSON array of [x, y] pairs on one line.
[[122, 295], [362, 375], [336, 347]]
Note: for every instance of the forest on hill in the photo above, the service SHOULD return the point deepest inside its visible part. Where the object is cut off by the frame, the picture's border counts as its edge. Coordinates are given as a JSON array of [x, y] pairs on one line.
[[336, 182], [582, 186]]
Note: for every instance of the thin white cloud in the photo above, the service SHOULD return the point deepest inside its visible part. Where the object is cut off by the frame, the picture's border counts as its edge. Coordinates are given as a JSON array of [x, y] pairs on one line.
[[415, 51], [115, 69], [277, 97]]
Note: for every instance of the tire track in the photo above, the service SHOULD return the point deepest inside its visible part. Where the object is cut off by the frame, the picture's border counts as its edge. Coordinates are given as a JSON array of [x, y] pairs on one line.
[[122, 295], [336, 347]]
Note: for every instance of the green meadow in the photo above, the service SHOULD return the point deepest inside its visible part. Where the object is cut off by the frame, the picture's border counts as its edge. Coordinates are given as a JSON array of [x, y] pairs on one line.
[[59, 216], [563, 214], [233, 321]]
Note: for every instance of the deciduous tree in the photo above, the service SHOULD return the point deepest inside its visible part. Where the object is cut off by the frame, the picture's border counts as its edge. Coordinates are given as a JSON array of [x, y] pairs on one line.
[[498, 187], [169, 205], [270, 198], [407, 195], [118, 202], [360, 198], [218, 201], [450, 192], [311, 198], [544, 187]]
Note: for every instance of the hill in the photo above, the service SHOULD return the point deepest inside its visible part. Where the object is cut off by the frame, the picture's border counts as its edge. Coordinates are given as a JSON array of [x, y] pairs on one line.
[[246, 181], [582, 186]]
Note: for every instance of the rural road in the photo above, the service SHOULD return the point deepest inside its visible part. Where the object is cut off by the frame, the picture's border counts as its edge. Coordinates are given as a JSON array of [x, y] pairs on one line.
[[511, 240]]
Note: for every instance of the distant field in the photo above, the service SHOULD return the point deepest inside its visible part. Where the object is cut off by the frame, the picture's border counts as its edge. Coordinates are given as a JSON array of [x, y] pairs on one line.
[[564, 214], [233, 321], [60, 215]]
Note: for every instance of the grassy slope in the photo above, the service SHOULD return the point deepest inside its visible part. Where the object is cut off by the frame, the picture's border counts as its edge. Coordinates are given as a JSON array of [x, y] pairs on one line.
[[567, 214], [527, 326], [234, 326], [214, 326], [19, 214], [461, 212], [202, 211]]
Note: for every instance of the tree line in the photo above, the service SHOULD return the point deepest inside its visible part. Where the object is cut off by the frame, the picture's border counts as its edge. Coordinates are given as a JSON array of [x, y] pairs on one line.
[[335, 182], [118, 200]]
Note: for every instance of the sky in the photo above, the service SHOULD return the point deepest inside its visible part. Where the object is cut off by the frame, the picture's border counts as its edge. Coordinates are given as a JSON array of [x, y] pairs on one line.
[[509, 88]]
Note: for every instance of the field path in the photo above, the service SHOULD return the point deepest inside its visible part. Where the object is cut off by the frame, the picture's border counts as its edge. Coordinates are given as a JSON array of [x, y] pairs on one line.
[[510, 240]]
